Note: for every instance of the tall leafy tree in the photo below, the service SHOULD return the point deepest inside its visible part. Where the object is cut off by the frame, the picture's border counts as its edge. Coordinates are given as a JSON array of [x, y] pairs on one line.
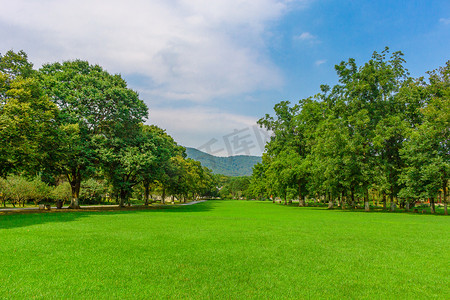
[[287, 150], [369, 94], [427, 150], [27, 117], [91, 102]]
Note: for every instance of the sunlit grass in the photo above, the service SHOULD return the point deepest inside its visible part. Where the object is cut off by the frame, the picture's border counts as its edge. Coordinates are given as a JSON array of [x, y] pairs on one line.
[[225, 249]]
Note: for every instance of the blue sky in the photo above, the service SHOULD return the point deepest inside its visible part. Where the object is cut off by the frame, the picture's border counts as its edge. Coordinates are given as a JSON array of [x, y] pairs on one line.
[[209, 69]]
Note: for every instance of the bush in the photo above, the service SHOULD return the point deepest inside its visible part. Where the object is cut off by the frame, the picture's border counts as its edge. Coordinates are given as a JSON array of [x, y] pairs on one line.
[[92, 191], [63, 192], [20, 190]]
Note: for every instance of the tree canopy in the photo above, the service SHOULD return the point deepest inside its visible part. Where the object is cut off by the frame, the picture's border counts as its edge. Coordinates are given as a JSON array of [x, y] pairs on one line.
[[377, 130]]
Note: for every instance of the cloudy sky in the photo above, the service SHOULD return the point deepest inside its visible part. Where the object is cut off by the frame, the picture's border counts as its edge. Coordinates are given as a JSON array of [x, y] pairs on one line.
[[209, 69]]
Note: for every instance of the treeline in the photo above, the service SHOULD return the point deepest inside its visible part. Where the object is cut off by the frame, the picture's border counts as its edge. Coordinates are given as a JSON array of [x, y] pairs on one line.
[[72, 124], [378, 132]]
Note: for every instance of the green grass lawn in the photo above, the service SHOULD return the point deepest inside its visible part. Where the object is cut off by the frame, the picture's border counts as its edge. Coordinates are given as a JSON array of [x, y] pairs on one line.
[[225, 249]]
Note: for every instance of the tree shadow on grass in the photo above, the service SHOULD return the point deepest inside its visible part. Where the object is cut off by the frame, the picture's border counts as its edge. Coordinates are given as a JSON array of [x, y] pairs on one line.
[[322, 207], [17, 219]]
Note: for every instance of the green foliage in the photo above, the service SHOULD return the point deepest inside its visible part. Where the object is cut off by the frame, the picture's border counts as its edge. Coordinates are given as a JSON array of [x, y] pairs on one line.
[[93, 104], [62, 191], [16, 64], [20, 190], [235, 188], [427, 149], [27, 117], [377, 129], [92, 191]]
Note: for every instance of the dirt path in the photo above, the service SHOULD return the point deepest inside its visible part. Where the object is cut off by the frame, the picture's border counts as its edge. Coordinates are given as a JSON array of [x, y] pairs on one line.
[[193, 202], [88, 207]]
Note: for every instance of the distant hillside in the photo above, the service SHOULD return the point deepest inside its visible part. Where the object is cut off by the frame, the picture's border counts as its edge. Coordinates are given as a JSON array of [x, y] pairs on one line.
[[240, 165]]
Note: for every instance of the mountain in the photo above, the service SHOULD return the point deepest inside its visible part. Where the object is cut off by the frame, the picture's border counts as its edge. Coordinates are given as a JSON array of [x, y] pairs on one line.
[[239, 165]]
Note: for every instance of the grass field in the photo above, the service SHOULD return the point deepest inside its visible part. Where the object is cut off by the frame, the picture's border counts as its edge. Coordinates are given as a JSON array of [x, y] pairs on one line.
[[225, 249]]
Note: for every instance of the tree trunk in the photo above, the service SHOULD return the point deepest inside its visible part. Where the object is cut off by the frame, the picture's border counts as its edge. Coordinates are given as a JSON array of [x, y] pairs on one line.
[[146, 192], [123, 198], [75, 184], [384, 201], [163, 199], [407, 205], [444, 190], [330, 201], [342, 200], [391, 197], [301, 199], [366, 201], [432, 206], [285, 198], [74, 203]]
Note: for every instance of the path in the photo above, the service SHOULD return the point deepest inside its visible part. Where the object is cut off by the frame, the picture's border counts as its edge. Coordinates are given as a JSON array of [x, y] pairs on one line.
[[193, 202], [18, 209]]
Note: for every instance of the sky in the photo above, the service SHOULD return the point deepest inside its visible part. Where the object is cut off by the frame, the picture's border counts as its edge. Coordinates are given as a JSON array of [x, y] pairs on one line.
[[209, 69]]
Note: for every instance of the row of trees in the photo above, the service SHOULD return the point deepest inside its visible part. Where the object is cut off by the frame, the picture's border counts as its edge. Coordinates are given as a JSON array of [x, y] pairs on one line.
[[76, 120], [378, 130]]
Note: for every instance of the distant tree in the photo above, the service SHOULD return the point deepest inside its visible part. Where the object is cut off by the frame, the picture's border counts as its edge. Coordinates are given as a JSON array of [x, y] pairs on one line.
[[258, 186], [164, 148], [20, 190], [93, 190], [235, 187], [62, 192]]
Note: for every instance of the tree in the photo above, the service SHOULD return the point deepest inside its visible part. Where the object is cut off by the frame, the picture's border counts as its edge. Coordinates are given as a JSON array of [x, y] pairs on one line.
[[287, 150], [258, 183], [92, 103], [164, 149], [20, 189], [427, 150], [27, 118], [348, 139], [62, 192], [235, 187], [331, 160], [369, 95], [122, 160]]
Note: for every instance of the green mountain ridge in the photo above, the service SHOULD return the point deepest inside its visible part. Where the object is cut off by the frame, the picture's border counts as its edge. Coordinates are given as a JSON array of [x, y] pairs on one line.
[[239, 165]]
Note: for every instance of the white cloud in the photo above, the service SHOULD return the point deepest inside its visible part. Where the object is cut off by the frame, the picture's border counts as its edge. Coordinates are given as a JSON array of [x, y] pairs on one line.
[[307, 37], [445, 21], [190, 49], [320, 62], [196, 126]]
